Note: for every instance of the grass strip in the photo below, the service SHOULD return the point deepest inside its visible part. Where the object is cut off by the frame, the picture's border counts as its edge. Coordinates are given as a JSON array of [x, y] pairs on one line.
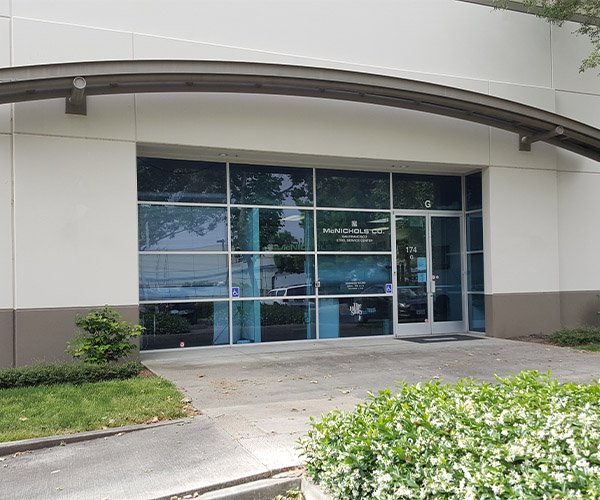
[[65, 408]]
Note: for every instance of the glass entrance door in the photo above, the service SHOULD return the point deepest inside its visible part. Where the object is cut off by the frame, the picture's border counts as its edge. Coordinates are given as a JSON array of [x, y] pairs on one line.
[[428, 274]]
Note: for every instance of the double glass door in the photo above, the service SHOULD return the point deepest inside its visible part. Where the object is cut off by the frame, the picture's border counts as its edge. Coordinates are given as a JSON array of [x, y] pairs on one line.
[[428, 274]]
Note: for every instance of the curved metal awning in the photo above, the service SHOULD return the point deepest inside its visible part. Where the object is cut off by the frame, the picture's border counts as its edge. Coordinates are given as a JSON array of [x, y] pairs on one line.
[[76, 81]]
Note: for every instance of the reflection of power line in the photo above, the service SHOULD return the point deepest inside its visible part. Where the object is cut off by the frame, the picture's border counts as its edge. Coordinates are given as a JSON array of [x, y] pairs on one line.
[[222, 242]]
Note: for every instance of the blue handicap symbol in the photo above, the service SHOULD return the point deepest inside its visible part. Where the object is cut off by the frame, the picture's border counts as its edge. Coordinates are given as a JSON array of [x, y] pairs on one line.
[[235, 291], [388, 288]]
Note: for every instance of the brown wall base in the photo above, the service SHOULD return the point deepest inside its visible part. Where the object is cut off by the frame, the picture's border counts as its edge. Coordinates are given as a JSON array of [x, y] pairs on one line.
[[6, 339], [516, 314], [42, 334]]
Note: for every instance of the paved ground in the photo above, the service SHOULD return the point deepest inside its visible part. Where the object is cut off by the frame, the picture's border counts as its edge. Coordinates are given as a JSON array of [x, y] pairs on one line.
[[256, 401]]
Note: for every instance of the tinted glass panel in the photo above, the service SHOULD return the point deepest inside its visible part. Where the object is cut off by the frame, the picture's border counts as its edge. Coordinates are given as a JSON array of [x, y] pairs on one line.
[[354, 274], [182, 276], [261, 185], [435, 192], [477, 312], [338, 188], [411, 267], [175, 228], [473, 191], [191, 324], [181, 181], [446, 268], [256, 229], [474, 232], [355, 317], [353, 231], [269, 321], [475, 273], [273, 275]]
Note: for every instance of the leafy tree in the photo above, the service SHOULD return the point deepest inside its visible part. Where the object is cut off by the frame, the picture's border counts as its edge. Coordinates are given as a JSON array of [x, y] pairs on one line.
[[586, 12]]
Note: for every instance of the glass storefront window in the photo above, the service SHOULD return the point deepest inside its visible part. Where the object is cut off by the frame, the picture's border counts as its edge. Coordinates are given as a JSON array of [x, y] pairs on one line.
[[192, 324], [264, 185], [355, 317], [270, 321], [354, 274], [162, 179], [353, 231], [179, 228], [474, 232], [473, 191], [477, 312], [427, 192], [273, 275], [265, 229], [352, 189], [475, 272], [175, 276]]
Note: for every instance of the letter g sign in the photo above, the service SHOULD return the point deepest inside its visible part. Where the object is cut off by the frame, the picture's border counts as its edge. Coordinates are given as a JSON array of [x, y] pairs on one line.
[[427, 203]]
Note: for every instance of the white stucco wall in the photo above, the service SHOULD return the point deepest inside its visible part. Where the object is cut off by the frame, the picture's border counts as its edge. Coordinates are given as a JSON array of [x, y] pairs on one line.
[[522, 244], [76, 220], [6, 262]]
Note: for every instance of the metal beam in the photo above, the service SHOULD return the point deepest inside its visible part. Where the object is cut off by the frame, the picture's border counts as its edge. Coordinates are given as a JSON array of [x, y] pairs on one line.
[[75, 81]]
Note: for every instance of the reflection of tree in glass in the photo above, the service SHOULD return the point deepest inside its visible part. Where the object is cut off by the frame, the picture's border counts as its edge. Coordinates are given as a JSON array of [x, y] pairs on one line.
[[181, 180], [353, 189], [159, 224]]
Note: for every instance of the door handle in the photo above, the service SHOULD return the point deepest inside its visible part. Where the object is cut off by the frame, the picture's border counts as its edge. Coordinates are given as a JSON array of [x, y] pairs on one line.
[[432, 286]]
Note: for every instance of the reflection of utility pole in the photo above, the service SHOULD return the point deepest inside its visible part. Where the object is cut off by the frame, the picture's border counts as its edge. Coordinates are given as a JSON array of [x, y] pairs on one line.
[[222, 242]]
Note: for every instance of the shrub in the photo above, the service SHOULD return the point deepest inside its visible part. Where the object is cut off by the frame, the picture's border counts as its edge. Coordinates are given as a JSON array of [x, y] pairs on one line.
[[525, 437], [576, 336], [106, 339], [61, 373]]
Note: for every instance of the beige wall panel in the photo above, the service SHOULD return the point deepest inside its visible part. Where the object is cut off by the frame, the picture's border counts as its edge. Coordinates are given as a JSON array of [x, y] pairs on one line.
[[434, 36], [6, 339], [5, 8], [523, 209], [42, 334], [6, 250], [5, 118], [311, 126], [108, 117], [515, 314], [76, 222], [581, 107], [153, 47], [571, 162], [504, 152], [579, 227], [538, 97], [568, 50], [4, 42], [39, 42]]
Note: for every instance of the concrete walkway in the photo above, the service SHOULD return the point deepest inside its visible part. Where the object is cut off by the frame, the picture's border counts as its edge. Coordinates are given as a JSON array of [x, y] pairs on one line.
[[256, 401]]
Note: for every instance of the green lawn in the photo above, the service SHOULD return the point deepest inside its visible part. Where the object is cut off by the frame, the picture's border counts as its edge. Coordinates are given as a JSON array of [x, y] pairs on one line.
[[65, 408], [590, 347]]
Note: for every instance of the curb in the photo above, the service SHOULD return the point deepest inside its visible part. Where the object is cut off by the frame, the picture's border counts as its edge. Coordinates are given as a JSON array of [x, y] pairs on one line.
[[11, 447], [265, 486]]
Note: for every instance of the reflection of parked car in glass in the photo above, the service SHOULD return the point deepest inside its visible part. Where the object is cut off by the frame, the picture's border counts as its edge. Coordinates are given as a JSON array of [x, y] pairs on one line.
[[283, 294], [411, 304]]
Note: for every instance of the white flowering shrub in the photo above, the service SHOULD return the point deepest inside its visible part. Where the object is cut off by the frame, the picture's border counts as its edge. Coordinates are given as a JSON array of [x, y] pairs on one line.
[[525, 437]]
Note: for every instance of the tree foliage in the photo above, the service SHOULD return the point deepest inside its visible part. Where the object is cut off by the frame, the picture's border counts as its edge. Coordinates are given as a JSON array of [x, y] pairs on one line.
[[586, 12]]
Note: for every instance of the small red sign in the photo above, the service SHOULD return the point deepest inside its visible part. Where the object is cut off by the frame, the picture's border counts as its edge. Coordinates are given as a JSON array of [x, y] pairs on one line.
[[181, 344]]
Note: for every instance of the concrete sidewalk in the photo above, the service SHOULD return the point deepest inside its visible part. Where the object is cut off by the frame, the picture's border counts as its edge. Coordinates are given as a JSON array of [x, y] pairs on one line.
[[256, 401]]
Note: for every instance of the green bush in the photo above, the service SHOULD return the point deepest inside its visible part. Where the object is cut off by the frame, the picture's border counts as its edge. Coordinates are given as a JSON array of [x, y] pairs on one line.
[[160, 323], [576, 336], [106, 339], [60, 373], [525, 437]]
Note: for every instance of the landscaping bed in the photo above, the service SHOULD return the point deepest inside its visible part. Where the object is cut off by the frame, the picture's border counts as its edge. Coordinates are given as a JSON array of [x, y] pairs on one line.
[[524, 437]]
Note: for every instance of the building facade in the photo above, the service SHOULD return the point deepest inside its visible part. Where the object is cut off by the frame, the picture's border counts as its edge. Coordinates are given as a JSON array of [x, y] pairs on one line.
[[274, 205]]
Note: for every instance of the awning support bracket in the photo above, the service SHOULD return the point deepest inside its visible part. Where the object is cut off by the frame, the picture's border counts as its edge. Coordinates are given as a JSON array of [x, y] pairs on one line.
[[76, 103], [525, 141]]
